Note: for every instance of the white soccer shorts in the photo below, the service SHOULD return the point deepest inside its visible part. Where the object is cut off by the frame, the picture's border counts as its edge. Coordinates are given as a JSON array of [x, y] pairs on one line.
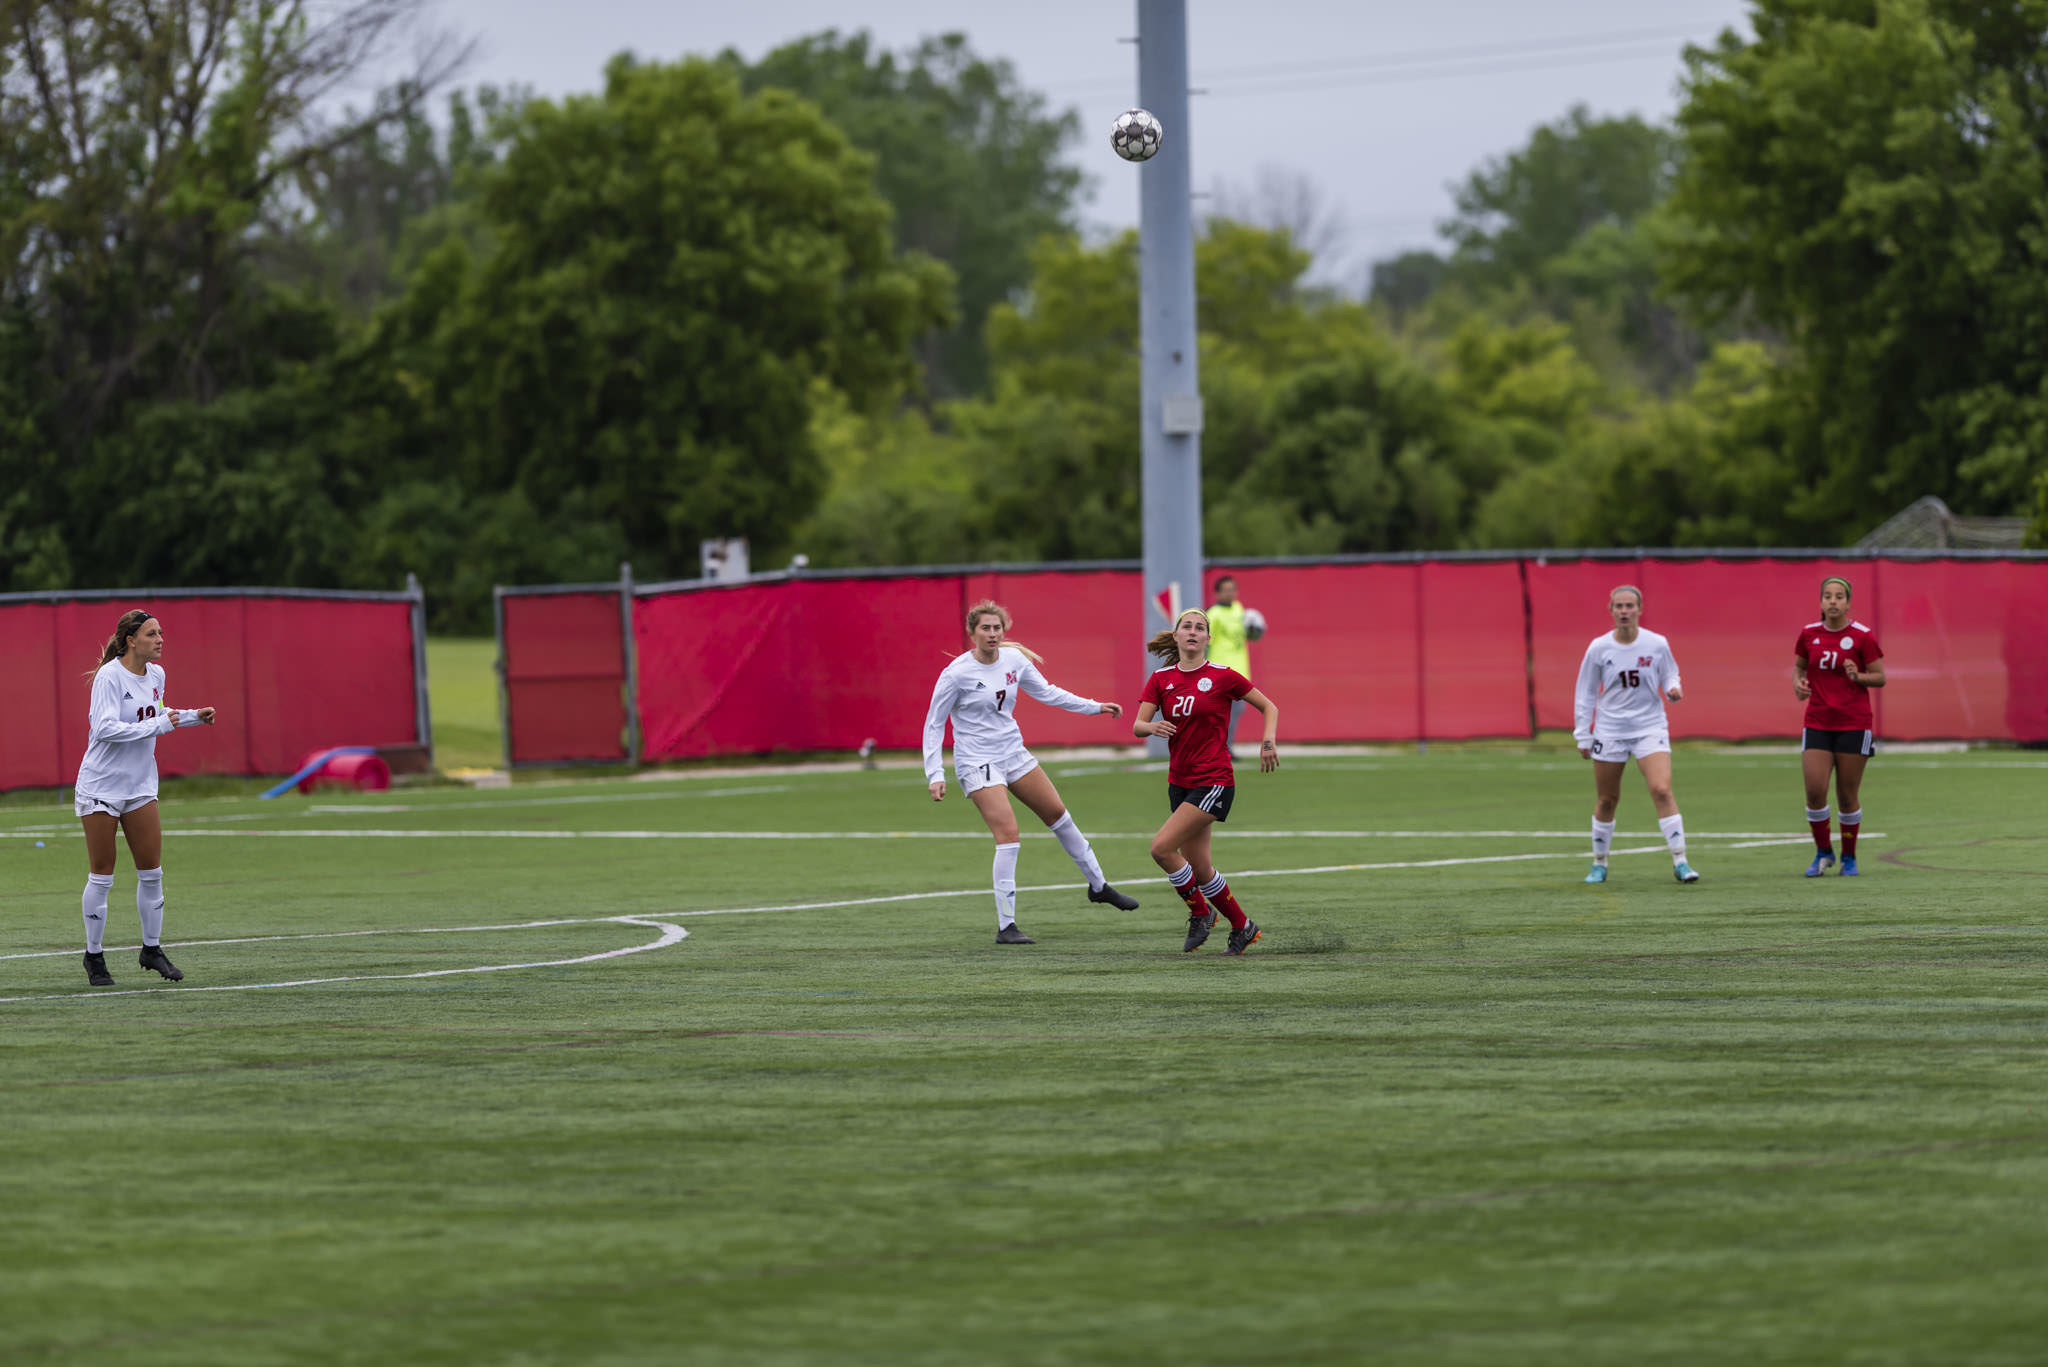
[[1620, 750], [85, 805], [1006, 770]]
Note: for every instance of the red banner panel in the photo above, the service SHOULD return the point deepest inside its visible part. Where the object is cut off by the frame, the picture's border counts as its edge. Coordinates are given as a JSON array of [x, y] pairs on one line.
[[286, 675], [1965, 644], [33, 746], [1473, 659], [565, 675], [802, 665], [1392, 650], [1339, 655]]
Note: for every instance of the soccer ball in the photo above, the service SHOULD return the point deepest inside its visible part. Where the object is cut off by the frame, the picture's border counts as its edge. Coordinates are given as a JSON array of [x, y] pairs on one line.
[[1136, 135], [1254, 624]]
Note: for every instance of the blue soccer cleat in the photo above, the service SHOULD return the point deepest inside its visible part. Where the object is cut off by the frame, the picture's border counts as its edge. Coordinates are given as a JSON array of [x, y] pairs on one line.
[[1848, 866], [1822, 862], [1682, 871], [1598, 875]]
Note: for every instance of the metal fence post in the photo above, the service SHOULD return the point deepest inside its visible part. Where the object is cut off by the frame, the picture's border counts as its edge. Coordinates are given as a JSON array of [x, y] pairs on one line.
[[630, 656], [504, 688], [422, 703]]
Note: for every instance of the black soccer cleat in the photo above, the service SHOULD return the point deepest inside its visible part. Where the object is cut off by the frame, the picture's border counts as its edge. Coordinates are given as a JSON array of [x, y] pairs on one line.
[[1010, 935], [96, 971], [1199, 927], [1241, 939], [153, 957], [1108, 893]]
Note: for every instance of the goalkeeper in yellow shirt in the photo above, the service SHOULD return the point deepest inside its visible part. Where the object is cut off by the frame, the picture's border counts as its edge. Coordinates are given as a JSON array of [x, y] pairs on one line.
[[1232, 629]]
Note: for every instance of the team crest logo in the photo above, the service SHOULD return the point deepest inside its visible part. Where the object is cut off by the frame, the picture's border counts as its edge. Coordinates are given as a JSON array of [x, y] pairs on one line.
[[1643, 660], [1205, 685], [1010, 677], [1848, 643]]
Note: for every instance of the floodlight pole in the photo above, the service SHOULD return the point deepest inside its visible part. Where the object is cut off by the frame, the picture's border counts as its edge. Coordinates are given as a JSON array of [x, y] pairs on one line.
[[1170, 402]]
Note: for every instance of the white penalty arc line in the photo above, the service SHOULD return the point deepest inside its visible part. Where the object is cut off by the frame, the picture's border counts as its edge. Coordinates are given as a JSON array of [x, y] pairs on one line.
[[673, 934], [670, 934]]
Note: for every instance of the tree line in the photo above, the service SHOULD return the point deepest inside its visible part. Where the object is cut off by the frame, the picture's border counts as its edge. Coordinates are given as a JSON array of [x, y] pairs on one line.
[[837, 300]]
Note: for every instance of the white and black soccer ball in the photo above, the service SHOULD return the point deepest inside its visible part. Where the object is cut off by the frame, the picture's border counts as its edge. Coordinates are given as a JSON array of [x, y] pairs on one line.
[[1136, 135], [1254, 624]]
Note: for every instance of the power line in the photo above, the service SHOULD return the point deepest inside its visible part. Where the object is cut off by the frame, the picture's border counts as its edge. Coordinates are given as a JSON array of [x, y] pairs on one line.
[[1397, 61], [1440, 73]]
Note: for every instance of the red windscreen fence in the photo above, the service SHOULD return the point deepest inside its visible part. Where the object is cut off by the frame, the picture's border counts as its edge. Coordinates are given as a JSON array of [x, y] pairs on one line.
[[1399, 649], [289, 673], [562, 675]]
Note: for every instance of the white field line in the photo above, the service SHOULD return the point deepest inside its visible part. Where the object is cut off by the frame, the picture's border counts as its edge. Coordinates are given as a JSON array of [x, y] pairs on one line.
[[374, 808], [404, 833], [673, 934], [670, 934]]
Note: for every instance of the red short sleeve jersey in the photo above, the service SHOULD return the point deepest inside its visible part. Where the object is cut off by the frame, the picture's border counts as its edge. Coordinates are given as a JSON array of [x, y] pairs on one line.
[[1835, 703], [1197, 702]]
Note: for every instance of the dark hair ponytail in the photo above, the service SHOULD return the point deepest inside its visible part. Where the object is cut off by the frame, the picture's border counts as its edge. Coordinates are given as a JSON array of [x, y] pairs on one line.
[[124, 631]]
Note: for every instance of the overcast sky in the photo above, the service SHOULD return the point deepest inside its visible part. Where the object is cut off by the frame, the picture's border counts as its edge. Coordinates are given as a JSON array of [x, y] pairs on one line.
[[1381, 104]]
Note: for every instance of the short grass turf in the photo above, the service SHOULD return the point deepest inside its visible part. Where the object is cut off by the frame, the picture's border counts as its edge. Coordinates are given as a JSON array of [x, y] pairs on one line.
[[462, 696], [1447, 1111]]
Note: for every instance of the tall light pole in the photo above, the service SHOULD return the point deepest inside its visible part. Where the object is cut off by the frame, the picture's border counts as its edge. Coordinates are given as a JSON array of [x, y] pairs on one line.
[[1169, 396]]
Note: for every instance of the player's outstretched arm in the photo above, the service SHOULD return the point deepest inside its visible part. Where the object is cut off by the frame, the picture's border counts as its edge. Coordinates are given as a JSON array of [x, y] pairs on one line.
[[1269, 746], [1146, 726]]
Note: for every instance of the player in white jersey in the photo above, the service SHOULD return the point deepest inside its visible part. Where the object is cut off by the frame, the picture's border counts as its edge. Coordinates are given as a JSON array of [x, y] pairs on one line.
[[1618, 714], [117, 786], [978, 692]]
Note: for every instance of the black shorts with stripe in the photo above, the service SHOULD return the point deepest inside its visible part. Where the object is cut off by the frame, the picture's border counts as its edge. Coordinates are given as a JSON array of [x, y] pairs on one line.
[[1215, 799], [1840, 742]]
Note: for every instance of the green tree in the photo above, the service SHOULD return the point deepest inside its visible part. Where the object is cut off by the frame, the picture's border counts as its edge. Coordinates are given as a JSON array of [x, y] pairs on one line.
[[673, 267], [1517, 213], [1868, 178], [971, 161]]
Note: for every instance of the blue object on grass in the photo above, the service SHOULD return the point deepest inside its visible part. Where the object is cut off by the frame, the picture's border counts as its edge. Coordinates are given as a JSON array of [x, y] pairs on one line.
[[316, 764]]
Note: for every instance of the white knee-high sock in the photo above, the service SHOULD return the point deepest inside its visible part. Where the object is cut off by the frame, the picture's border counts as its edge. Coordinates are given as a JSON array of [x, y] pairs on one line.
[[1006, 885], [149, 901], [1603, 839], [1673, 827], [1077, 848], [94, 904]]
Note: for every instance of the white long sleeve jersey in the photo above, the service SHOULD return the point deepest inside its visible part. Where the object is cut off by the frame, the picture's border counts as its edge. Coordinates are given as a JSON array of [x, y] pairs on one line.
[[981, 702], [128, 714], [1622, 687]]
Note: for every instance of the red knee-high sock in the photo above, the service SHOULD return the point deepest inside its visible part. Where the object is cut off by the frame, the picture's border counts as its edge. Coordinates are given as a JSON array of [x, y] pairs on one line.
[[1821, 841], [1849, 830], [1218, 892], [1184, 884]]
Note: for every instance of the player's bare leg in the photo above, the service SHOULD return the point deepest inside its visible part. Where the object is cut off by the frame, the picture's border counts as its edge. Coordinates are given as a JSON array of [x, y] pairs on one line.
[[1606, 798], [99, 861], [1816, 767], [1849, 796], [144, 829], [1656, 771], [993, 802], [1035, 791]]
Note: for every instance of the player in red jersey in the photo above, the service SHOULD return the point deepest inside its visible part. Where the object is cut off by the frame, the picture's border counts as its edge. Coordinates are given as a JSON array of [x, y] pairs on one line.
[[1188, 702], [1835, 664]]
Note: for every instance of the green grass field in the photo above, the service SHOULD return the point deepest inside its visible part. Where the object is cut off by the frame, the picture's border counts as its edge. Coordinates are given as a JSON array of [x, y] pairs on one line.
[[462, 695], [1457, 1107]]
